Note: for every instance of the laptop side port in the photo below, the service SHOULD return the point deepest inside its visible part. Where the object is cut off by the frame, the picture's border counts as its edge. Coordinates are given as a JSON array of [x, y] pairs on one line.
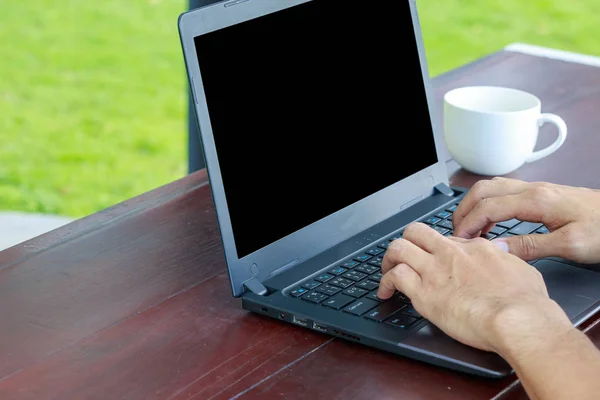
[[299, 320], [346, 335], [319, 327]]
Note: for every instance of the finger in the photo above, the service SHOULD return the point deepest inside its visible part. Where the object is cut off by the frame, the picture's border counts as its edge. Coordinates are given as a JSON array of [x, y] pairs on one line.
[[486, 189], [501, 244], [534, 246], [523, 206], [426, 238], [485, 229], [403, 251], [402, 278]]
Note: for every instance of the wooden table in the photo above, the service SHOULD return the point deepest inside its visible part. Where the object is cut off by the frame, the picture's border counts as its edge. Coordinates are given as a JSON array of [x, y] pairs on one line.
[[134, 303]]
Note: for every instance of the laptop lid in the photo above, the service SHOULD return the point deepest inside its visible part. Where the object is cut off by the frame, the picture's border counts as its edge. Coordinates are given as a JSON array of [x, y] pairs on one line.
[[315, 120]]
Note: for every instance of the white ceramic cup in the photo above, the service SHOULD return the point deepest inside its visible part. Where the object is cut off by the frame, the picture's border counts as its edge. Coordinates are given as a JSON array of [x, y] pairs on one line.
[[493, 130]]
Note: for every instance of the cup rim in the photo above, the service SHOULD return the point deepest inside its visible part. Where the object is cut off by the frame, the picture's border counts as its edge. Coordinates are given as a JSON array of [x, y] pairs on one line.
[[536, 102]]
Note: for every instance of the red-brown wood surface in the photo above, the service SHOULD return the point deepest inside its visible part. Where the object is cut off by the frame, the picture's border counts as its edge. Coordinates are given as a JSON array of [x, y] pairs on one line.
[[134, 302]]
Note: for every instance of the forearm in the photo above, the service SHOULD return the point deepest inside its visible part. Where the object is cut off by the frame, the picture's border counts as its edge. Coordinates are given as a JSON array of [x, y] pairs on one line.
[[554, 360]]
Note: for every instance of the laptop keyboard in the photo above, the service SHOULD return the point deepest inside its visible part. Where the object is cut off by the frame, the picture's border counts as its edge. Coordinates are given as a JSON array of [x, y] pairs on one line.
[[351, 286]]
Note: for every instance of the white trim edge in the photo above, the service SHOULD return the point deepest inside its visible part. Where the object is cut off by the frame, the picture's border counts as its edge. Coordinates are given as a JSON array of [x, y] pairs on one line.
[[554, 54]]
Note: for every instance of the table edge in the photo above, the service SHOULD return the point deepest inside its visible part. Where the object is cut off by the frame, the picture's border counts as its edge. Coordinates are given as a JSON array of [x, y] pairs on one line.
[[555, 54]]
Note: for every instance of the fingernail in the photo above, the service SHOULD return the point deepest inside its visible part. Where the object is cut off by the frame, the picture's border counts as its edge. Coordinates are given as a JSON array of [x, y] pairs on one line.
[[501, 244]]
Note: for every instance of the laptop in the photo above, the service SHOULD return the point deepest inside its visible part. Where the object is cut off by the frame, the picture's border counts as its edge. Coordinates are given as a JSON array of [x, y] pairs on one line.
[[316, 120]]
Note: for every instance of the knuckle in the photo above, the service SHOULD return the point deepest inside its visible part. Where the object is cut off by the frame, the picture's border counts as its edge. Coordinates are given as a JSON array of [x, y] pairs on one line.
[[483, 207], [479, 186], [539, 198], [397, 274], [479, 241], [527, 246], [412, 229], [397, 246], [539, 193]]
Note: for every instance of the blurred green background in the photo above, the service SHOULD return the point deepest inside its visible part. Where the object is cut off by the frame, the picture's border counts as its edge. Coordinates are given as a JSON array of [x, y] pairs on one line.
[[93, 93]]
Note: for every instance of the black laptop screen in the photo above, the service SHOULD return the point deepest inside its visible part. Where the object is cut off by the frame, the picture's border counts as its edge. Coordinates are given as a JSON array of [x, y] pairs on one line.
[[312, 109]]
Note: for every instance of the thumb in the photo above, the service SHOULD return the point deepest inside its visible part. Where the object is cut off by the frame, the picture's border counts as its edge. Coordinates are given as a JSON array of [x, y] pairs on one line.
[[529, 247]]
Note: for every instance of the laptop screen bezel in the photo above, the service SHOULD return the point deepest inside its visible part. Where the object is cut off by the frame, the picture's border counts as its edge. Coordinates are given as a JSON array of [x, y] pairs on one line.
[[321, 235]]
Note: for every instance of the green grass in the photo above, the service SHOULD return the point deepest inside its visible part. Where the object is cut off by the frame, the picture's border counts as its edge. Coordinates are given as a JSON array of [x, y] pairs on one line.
[[459, 31], [93, 102], [93, 95]]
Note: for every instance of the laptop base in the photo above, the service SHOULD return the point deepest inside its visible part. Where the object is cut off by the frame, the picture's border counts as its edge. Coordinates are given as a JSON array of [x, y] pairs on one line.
[[575, 288]]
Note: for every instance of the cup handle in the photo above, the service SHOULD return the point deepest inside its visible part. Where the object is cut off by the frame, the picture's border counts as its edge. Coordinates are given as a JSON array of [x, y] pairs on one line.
[[562, 135]]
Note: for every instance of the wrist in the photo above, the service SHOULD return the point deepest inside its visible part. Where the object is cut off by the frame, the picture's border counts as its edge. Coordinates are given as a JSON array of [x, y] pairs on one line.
[[520, 331]]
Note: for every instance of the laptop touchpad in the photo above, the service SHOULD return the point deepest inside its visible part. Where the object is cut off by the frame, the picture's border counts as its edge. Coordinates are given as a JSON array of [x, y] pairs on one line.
[[574, 289]]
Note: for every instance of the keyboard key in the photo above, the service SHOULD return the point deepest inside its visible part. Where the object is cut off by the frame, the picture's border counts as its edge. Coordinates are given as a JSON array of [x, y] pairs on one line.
[[524, 228], [396, 237], [374, 251], [311, 285], [367, 284], [443, 214], [362, 258], [341, 282], [384, 245], [508, 224], [445, 224], [337, 271], [452, 208], [376, 262], [376, 277], [400, 320], [440, 229], [542, 230], [324, 278], [497, 230], [402, 297], [338, 301], [298, 292], [314, 297], [361, 306], [431, 220], [505, 234], [489, 236], [367, 269], [355, 292], [328, 290], [384, 310], [449, 233], [411, 311], [355, 275], [350, 264], [373, 296]]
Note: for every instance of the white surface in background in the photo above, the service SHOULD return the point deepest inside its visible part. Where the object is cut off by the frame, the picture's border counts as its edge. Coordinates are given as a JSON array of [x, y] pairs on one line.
[[16, 227], [554, 54]]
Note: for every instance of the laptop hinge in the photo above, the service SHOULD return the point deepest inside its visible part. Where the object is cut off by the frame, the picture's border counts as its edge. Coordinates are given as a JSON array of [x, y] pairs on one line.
[[444, 189], [256, 287]]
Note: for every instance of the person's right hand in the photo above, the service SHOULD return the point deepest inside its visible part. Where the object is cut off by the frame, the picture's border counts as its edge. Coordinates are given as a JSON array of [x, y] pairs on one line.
[[571, 214]]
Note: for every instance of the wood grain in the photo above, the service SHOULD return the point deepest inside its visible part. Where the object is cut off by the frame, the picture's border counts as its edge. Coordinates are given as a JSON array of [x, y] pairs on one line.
[[134, 302]]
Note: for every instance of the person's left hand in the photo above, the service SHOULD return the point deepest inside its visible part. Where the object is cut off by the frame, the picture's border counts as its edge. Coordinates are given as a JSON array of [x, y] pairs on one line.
[[471, 289]]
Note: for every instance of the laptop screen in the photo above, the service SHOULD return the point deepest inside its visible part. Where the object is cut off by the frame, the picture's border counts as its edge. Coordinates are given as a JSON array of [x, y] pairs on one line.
[[312, 109]]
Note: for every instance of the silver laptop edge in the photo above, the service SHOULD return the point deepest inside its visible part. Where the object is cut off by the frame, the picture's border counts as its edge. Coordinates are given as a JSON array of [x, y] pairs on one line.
[[333, 229]]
